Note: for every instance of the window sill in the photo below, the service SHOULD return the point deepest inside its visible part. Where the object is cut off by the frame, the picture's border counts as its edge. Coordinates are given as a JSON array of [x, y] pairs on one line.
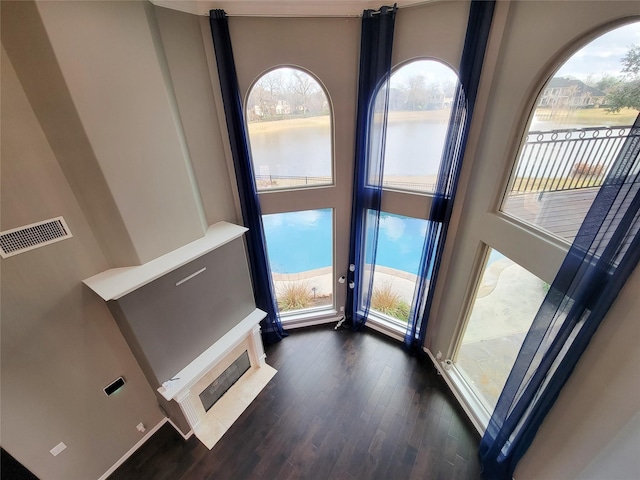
[[386, 326], [308, 318]]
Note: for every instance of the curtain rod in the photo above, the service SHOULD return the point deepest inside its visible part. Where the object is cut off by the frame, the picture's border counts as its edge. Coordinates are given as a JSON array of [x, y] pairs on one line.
[[379, 11], [294, 15]]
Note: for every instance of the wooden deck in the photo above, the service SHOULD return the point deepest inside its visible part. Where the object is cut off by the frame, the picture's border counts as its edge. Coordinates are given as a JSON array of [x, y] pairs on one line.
[[560, 213]]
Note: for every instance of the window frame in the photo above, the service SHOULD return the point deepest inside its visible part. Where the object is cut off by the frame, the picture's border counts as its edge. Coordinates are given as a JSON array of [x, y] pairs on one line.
[[327, 97], [313, 197]]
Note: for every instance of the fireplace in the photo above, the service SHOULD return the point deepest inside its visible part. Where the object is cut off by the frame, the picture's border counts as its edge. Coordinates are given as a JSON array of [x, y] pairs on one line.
[[187, 317], [225, 381], [209, 425]]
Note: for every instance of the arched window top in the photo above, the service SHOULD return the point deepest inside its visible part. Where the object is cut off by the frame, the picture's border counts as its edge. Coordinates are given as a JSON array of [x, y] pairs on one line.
[[433, 69], [289, 118], [421, 93], [576, 130]]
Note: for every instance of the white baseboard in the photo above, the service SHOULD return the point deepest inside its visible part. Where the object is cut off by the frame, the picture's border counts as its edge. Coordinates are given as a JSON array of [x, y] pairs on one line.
[[133, 449], [141, 442], [187, 436]]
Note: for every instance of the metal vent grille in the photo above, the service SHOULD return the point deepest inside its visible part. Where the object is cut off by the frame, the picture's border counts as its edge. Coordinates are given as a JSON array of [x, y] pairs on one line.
[[22, 239]]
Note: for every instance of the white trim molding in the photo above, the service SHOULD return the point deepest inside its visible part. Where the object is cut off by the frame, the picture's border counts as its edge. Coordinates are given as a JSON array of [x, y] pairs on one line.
[[468, 400], [133, 449]]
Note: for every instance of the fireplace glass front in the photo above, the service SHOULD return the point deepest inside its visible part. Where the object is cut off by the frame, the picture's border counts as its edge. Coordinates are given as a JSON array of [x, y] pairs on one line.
[[225, 381]]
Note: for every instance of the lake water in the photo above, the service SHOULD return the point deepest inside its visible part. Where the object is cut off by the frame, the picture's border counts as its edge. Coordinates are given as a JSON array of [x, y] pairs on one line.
[[413, 148]]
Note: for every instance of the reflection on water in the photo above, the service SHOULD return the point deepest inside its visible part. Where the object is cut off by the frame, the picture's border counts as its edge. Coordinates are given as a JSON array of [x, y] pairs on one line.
[[413, 148], [302, 241], [301, 151], [400, 242]]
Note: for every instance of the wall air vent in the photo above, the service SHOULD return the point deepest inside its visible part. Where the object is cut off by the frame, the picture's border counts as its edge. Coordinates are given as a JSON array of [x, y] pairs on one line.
[[22, 239]]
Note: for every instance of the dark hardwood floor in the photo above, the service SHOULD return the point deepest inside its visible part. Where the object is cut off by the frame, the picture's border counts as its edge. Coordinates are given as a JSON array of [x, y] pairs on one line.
[[343, 405]]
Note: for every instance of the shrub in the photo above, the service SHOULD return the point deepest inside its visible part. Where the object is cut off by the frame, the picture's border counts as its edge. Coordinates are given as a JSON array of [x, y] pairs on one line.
[[587, 170], [294, 296], [385, 300]]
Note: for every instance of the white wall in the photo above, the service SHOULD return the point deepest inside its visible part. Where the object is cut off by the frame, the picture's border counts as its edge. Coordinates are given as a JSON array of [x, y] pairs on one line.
[[114, 69]]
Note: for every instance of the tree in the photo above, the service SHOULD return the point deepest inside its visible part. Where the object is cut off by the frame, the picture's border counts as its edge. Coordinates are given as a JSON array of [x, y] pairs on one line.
[[416, 92], [606, 83], [631, 62], [303, 86], [626, 94]]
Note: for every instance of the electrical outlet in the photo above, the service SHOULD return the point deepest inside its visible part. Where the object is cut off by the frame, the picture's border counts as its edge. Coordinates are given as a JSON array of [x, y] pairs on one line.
[[55, 451], [342, 309]]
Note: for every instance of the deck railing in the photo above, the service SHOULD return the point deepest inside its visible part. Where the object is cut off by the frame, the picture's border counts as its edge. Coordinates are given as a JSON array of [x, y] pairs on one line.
[[284, 181], [567, 159], [279, 181]]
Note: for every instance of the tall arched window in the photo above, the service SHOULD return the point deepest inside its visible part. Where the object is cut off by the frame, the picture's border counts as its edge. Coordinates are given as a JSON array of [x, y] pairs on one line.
[[420, 97], [289, 120], [420, 101], [579, 124]]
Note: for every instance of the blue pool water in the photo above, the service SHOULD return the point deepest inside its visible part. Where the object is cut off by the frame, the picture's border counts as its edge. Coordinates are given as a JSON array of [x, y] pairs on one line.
[[301, 241]]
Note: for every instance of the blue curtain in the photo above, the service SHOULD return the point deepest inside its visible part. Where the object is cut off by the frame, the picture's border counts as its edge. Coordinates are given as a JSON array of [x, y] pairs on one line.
[[601, 258], [371, 125], [272, 330], [478, 27]]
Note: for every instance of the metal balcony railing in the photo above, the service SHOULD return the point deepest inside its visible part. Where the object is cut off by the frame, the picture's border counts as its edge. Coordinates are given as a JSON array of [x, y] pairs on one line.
[[567, 159], [280, 181]]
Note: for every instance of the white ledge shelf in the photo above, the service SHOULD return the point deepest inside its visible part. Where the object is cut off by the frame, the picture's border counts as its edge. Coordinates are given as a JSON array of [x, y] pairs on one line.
[[190, 374], [118, 282]]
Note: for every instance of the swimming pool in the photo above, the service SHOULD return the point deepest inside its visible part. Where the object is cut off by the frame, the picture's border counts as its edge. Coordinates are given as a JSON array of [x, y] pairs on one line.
[[299, 241], [302, 241]]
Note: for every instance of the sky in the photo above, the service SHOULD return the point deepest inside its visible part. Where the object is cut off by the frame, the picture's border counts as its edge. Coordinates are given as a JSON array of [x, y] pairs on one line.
[[433, 71], [602, 55]]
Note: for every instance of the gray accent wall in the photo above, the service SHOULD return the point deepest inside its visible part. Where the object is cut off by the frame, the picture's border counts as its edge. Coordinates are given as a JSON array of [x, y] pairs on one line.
[[174, 324]]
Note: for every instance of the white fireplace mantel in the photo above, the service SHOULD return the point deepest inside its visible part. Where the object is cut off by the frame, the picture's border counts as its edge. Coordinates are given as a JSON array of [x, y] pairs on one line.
[[189, 375], [118, 282], [210, 425]]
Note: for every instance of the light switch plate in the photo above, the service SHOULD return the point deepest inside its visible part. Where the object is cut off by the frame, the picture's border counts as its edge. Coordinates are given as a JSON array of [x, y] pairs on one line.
[[55, 451]]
